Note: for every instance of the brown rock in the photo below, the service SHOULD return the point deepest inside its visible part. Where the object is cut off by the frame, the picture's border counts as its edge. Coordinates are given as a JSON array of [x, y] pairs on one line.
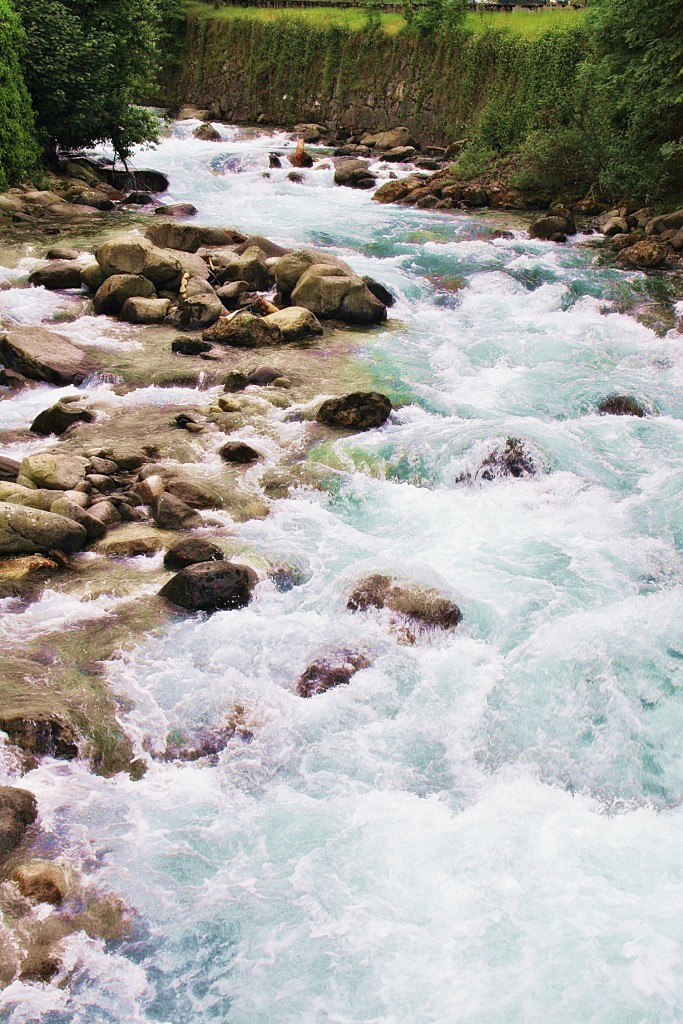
[[361, 410], [326, 673]]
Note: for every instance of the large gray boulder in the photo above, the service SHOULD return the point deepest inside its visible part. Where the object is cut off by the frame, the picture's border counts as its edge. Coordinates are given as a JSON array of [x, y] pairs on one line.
[[197, 311], [117, 289], [41, 354], [249, 266], [243, 330], [133, 254], [396, 137], [52, 470], [354, 174], [57, 274], [137, 310], [288, 269], [361, 410], [296, 323], [208, 586], [29, 531], [329, 292], [35, 497]]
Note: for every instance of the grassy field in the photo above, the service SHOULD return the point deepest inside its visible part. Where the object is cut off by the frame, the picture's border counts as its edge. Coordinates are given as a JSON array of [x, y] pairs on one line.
[[524, 23]]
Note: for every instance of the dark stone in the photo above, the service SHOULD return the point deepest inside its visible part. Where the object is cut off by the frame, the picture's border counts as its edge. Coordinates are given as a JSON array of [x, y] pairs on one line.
[[510, 459], [190, 346], [235, 382], [9, 468], [58, 418], [139, 198], [324, 674], [361, 410], [421, 605], [621, 405], [172, 513], [262, 376], [176, 210], [379, 291], [192, 551], [18, 811], [56, 275], [274, 160], [297, 177], [238, 451], [209, 586], [53, 737]]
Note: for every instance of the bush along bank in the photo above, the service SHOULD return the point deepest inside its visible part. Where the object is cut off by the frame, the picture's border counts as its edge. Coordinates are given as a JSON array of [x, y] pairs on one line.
[[19, 151]]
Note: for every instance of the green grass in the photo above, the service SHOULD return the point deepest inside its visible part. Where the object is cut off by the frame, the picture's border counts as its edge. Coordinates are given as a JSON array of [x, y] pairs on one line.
[[524, 23]]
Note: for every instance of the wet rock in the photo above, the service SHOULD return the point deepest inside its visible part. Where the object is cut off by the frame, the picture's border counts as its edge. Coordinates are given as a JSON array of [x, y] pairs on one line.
[[297, 177], [209, 586], [42, 735], [401, 155], [18, 811], [133, 254], [61, 252], [379, 291], [57, 275], [19, 574], [197, 312], [100, 465], [243, 330], [106, 512], [41, 354], [394, 191], [143, 199], [391, 139], [207, 133], [138, 310], [264, 376], [193, 493], [234, 294], [643, 255], [114, 292], [190, 346], [92, 276], [615, 226], [621, 405], [172, 513], [547, 227], [9, 468], [296, 323], [274, 161], [361, 410], [25, 530], [249, 266], [33, 497], [421, 606], [188, 112], [330, 293], [238, 452], [52, 470], [131, 540], [192, 551], [235, 381], [176, 210], [42, 881], [269, 248], [326, 673], [94, 529], [511, 458], [353, 173], [59, 417]]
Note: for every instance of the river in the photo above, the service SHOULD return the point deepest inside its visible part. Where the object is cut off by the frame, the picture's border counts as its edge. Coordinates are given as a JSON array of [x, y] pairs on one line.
[[482, 828]]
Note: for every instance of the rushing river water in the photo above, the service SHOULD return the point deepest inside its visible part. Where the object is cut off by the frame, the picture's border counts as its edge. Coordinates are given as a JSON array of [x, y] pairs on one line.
[[480, 829]]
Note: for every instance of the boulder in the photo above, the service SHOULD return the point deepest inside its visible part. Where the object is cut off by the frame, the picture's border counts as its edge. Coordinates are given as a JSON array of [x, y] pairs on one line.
[[18, 811], [62, 252], [361, 410], [207, 133], [289, 269], [106, 512], [52, 470], [133, 254], [401, 154], [175, 210], [329, 292], [59, 417], [92, 276], [422, 606], [268, 248], [42, 881], [192, 492], [170, 235], [264, 376], [354, 174], [620, 405], [238, 452], [56, 275], [9, 468], [142, 199], [243, 330], [665, 222], [41, 354], [546, 227], [131, 540], [137, 310], [234, 294], [296, 323], [93, 527], [249, 266], [172, 513], [29, 530], [394, 191], [188, 112], [33, 497], [197, 312], [190, 346], [192, 551], [117, 289], [389, 140], [615, 226], [643, 255], [42, 735], [209, 586], [379, 291], [326, 673]]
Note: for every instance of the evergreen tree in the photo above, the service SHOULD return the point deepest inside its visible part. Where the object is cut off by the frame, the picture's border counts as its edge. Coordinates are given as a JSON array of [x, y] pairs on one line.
[[18, 150]]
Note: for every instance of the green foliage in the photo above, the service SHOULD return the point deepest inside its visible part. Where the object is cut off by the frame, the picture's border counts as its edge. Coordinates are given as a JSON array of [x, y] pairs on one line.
[[18, 150], [88, 62], [432, 17]]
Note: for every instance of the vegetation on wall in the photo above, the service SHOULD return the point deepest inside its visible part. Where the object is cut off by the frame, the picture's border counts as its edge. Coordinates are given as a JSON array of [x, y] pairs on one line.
[[19, 152]]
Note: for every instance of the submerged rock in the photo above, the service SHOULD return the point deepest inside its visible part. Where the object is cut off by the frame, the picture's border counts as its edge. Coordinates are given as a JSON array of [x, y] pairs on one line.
[[209, 586], [18, 575], [361, 410], [41, 354], [18, 811], [207, 133], [43, 735], [509, 458], [172, 513], [238, 452], [131, 540], [192, 551], [621, 405], [326, 673], [422, 606]]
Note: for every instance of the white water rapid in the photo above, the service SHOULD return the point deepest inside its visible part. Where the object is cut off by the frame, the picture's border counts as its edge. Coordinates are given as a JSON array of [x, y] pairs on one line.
[[485, 827]]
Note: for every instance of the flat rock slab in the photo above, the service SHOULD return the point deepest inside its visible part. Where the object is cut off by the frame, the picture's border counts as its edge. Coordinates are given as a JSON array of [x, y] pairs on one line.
[[44, 355]]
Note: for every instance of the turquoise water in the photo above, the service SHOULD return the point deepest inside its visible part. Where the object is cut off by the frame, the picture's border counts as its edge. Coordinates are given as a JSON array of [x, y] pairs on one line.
[[482, 828]]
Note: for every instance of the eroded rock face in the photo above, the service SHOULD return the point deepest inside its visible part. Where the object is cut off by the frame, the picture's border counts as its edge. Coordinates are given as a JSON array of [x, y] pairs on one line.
[[326, 673], [209, 586], [41, 354], [361, 410], [42, 881], [26, 530], [42, 736], [421, 606], [18, 811]]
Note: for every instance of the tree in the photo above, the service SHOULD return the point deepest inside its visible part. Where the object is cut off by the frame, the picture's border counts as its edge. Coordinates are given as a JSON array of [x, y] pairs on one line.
[[19, 153], [435, 17], [89, 62]]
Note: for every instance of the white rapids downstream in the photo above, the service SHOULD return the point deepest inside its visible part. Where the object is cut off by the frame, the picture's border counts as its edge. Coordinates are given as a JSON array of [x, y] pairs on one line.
[[480, 829]]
